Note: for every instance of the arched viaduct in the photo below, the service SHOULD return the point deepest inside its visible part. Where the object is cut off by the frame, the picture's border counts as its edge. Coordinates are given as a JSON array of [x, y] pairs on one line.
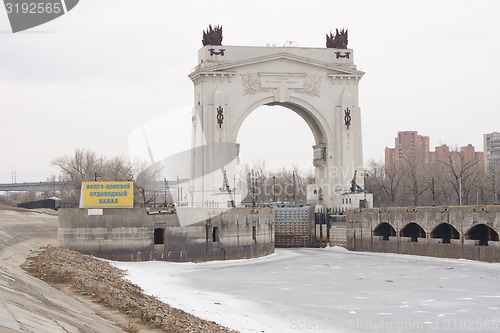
[[469, 232]]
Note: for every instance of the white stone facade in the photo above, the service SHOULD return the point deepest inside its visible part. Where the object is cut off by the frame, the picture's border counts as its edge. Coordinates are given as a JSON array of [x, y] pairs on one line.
[[319, 84]]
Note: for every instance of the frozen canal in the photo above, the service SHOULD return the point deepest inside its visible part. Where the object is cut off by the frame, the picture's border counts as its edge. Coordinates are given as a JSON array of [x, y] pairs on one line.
[[331, 290]]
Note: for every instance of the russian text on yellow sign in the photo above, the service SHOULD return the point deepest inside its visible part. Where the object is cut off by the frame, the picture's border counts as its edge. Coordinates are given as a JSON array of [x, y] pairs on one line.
[[108, 194]]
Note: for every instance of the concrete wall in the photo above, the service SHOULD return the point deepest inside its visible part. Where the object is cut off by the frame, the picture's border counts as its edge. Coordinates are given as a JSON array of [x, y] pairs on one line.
[[476, 229], [138, 235]]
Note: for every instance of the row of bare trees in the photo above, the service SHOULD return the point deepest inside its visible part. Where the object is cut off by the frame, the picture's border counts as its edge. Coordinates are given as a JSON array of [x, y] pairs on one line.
[[452, 179], [263, 185], [284, 185], [87, 165]]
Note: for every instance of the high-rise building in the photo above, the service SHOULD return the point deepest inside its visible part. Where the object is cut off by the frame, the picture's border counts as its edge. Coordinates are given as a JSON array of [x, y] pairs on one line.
[[471, 154], [412, 148], [409, 146], [492, 150]]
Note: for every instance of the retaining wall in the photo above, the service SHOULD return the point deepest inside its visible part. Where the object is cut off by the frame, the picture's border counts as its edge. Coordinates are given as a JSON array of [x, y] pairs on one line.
[[136, 234]]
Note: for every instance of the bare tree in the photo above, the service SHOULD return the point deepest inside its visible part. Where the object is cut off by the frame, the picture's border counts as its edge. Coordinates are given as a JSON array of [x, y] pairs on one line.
[[462, 173], [415, 181], [117, 168], [285, 185], [86, 165], [384, 182], [487, 185], [145, 175], [82, 166]]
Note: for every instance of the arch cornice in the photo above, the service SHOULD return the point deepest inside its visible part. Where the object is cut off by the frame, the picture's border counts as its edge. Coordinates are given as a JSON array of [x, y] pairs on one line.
[[228, 68]]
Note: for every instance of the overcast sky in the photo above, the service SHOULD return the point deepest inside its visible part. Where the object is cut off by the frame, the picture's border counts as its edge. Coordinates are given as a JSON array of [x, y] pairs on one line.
[[89, 78]]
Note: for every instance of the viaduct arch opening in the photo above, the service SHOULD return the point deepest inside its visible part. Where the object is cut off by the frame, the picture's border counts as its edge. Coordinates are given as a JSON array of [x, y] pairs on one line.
[[413, 231], [482, 234], [446, 232], [384, 230]]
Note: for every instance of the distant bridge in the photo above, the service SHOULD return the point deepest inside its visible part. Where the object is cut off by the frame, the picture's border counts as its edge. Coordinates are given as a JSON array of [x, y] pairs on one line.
[[36, 186]]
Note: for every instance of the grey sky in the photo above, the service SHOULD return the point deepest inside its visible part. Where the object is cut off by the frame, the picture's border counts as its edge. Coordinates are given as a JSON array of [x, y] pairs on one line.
[[92, 76]]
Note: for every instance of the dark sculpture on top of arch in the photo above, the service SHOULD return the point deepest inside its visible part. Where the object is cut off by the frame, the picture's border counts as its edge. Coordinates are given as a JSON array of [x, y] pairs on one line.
[[213, 35], [339, 41]]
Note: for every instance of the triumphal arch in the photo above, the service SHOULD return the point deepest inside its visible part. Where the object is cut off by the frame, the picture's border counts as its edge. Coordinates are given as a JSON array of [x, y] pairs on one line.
[[319, 84]]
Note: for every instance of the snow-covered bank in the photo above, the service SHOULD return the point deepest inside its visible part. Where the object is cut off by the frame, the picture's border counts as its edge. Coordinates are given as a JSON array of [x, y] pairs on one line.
[[330, 290]]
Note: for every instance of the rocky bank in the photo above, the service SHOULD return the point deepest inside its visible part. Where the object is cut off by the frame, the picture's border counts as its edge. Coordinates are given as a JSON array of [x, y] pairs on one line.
[[100, 282]]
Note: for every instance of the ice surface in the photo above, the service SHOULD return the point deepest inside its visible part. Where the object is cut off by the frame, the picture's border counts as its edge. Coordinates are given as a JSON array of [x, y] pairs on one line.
[[330, 290]]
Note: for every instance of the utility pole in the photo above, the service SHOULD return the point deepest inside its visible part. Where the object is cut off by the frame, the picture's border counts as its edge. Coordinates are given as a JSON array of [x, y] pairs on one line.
[[460, 191], [178, 191], [432, 189], [274, 188], [166, 190], [495, 199], [253, 189]]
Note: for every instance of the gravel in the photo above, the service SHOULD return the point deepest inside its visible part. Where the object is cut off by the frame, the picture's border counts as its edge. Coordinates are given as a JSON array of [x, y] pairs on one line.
[[95, 278]]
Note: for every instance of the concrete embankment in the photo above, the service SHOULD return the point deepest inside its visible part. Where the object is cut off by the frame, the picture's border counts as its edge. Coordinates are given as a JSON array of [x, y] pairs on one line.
[[28, 304]]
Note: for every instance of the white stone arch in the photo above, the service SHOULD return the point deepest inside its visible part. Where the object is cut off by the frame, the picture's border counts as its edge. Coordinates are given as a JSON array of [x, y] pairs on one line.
[[320, 85]]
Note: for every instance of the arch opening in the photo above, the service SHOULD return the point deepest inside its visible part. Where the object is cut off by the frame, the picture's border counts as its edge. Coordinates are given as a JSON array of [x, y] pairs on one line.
[[413, 231], [482, 234], [446, 232], [215, 234], [276, 142], [277, 135], [384, 230], [159, 236]]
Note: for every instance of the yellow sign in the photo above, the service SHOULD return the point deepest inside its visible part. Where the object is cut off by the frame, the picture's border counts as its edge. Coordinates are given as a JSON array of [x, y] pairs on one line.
[[108, 194]]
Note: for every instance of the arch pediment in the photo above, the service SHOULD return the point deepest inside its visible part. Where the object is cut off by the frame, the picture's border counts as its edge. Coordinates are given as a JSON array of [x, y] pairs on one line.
[[233, 67]]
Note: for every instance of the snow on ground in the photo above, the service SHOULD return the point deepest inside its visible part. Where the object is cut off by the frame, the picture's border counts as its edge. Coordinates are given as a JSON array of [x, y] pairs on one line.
[[330, 290]]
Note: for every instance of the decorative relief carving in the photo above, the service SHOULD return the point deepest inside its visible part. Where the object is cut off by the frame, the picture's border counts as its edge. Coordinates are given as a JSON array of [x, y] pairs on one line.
[[220, 116], [347, 117], [307, 84], [220, 52], [340, 55], [251, 83], [312, 84]]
